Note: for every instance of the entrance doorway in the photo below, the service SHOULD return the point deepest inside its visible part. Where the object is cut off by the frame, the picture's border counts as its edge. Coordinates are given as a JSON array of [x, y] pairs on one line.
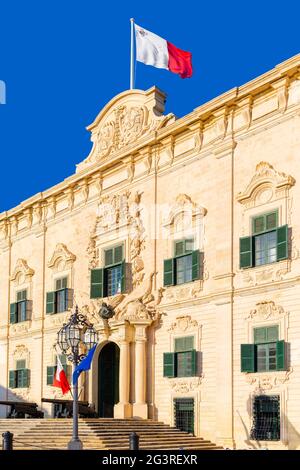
[[108, 379]]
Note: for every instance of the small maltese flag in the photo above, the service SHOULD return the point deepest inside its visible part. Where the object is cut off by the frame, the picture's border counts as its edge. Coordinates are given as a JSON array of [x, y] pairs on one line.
[[154, 50], [60, 379]]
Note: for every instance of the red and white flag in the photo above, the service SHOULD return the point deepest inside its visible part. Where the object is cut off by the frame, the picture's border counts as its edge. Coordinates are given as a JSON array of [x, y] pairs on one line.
[[60, 379], [154, 50]]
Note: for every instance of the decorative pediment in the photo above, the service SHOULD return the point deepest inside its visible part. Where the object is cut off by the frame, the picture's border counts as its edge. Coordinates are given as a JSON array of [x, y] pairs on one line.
[[183, 205], [21, 268], [61, 253], [265, 184], [123, 121]]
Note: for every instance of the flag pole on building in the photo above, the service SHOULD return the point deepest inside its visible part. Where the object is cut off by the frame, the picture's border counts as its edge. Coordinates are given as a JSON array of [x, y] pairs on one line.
[[132, 55]]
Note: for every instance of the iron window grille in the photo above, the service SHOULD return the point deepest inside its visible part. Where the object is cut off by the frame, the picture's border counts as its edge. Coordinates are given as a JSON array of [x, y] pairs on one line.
[[184, 414], [266, 418]]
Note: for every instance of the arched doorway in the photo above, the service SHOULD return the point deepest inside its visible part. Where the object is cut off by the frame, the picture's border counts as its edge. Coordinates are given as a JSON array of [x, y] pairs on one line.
[[108, 379]]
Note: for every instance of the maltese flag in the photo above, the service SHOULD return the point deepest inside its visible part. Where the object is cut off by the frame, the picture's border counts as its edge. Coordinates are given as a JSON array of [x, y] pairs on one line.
[[154, 50], [60, 379]]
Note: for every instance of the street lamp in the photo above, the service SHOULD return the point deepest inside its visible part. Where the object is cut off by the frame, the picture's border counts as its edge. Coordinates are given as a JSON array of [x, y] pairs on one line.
[[71, 337]]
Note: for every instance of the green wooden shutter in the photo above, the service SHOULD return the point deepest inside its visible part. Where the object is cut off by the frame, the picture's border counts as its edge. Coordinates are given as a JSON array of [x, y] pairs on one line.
[[69, 298], [50, 374], [50, 302], [246, 257], [96, 283], [26, 376], [169, 365], [169, 272], [28, 308], [123, 278], [248, 356], [13, 313], [280, 355], [195, 265], [12, 379], [282, 242], [192, 360]]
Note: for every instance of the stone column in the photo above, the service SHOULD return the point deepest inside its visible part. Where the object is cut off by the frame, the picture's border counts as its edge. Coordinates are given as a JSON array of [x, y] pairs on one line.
[[123, 408], [140, 407]]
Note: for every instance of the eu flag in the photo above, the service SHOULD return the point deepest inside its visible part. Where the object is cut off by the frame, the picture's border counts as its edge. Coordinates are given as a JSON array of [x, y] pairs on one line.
[[85, 364]]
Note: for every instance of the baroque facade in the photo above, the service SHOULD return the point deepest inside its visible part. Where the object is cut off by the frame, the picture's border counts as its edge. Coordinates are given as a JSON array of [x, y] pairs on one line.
[[189, 230]]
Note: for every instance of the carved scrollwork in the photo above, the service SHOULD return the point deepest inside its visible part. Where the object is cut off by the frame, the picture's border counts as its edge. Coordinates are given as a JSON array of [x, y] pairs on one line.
[[21, 268], [123, 121], [265, 184], [266, 309], [185, 385], [61, 253], [267, 381], [183, 324]]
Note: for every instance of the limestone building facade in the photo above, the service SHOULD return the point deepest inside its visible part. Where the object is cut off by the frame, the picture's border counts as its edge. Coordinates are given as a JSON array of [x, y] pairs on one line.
[[190, 230]]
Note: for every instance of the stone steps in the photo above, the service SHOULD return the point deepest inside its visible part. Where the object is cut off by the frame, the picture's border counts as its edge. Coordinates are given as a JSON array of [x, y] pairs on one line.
[[101, 433]]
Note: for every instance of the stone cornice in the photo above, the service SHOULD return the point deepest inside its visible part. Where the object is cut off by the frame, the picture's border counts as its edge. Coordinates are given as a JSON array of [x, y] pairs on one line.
[[241, 98]]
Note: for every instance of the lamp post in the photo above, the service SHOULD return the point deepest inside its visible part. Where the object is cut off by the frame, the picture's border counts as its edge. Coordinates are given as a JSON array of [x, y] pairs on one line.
[[71, 337]]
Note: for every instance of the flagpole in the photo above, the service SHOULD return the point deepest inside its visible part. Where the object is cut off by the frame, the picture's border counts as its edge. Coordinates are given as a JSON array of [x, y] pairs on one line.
[[132, 54]]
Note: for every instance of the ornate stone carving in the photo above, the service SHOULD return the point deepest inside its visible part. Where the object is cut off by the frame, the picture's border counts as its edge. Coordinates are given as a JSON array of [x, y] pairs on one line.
[[21, 267], [189, 291], [91, 249], [116, 210], [137, 240], [270, 274], [267, 381], [19, 328], [38, 212], [21, 352], [124, 120], [184, 204], [185, 385], [265, 177], [265, 310], [183, 324], [4, 229], [140, 304], [61, 252]]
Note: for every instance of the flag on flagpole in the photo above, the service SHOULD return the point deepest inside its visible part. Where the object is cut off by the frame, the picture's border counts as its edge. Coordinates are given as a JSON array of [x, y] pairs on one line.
[[60, 379], [85, 364], [154, 50]]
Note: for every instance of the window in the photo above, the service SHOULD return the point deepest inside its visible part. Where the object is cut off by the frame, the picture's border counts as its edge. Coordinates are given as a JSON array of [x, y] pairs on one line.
[[266, 354], [61, 299], [19, 378], [21, 309], [183, 362], [268, 243], [52, 369], [184, 414], [185, 266], [111, 279], [266, 418]]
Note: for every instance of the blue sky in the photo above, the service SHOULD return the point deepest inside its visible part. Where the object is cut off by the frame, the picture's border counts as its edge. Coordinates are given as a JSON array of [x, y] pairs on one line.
[[62, 61]]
